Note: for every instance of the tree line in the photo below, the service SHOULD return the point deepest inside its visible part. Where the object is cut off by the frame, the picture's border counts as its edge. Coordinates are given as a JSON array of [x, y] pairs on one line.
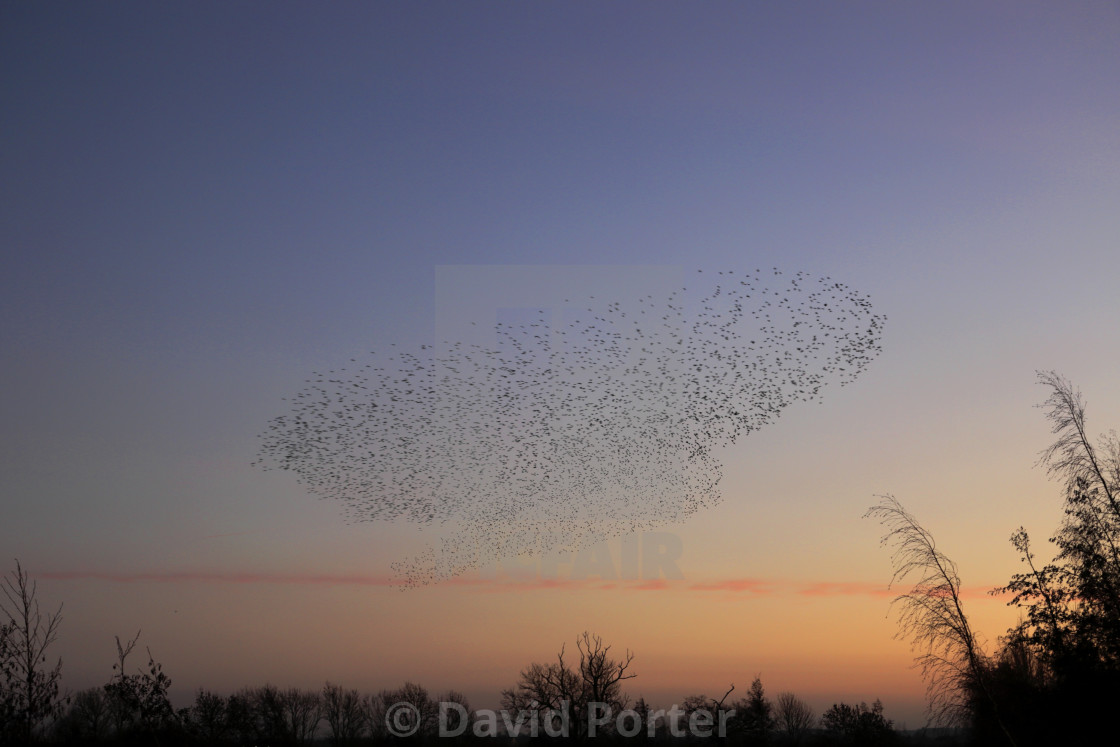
[[133, 707]]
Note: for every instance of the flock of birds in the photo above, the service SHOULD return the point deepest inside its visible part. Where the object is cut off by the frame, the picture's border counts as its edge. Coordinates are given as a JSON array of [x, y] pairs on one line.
[[592, 422]]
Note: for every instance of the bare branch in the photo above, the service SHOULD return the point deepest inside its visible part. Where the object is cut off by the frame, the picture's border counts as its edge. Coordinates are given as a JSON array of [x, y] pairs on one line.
[[28, 635], [719, 705], [932, 616], [1073, 454]]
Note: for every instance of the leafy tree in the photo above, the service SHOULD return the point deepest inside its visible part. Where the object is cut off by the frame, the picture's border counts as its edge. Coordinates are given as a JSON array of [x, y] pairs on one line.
[[1046, 598], [1073, 604], [29, 690], [1059, 670]]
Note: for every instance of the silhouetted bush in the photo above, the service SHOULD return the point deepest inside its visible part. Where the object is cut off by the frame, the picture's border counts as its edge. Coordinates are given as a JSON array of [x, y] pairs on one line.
[[859, 725]]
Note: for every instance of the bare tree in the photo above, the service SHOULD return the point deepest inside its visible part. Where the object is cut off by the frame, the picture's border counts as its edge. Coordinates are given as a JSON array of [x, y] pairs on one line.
[[342, 710], [455, 719], [562, 694], [271, 715], [603, 676], [932, 615], [419, 714], [1072, 456], [118, 689], [677, 723], [268, 714], [552, 690], [8, 708], [373, 714], [209, 717], [302, 712], [794, 717], [700, 703], [32, 688], [87, 720]]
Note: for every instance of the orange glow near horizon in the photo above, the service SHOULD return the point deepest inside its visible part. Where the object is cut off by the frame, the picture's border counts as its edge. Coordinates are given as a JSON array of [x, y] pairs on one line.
[[818, 640]]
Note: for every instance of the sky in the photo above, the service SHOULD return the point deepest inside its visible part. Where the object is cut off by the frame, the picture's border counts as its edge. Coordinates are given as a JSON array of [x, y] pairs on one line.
[[202, 205]]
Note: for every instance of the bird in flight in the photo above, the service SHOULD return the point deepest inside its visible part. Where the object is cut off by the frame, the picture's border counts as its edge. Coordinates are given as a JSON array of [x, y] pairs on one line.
[[590, 423]]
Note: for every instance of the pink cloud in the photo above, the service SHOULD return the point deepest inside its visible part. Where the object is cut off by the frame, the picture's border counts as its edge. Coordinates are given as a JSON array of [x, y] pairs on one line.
[[657, 584], [505, 584], [753, 585]]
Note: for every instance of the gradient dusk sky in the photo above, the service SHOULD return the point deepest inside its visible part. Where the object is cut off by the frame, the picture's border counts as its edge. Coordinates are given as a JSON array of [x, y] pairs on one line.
[[204, 203]]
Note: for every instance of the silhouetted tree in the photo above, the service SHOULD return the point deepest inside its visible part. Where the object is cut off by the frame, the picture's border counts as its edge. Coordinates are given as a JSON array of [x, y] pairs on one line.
[[269, 715], [602, 676], [1046, 597], [373, 713], [29, 690], [754, 714], [932, 615], [1055, 676], [1074, 603], [1059, 670], [88, 720], [859, 725], [554, 689], [419, 718], [120, 707], [454, 718], [693, 704], [793, 718], [302, 714], [642, 708], [343, 712], [276, 716], [241, 717], [8, 708], [209, 720], [139, 701]]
